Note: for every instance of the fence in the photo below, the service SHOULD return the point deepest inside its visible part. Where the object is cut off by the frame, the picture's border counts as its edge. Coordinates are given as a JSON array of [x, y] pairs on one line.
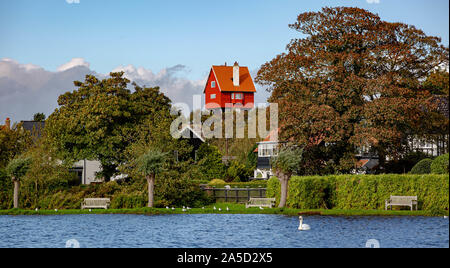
[[237, 195]]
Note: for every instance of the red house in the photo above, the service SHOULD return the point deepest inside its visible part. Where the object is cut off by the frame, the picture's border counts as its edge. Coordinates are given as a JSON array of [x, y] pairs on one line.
[[229, 86]]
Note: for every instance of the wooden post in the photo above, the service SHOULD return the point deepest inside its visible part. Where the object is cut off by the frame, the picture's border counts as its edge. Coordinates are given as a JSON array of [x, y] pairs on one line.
[[226, 195]]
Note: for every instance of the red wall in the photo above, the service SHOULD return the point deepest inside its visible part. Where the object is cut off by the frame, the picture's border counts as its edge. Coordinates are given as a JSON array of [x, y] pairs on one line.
[[209, 91], [223, 98]]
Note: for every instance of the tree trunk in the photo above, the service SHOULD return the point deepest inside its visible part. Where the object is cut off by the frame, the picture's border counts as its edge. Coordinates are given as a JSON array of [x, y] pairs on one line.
[[16, 192], [151, 189], [284, 181]]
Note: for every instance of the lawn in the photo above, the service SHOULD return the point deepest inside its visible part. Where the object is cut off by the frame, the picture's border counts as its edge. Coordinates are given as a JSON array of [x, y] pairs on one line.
[[233, 209]]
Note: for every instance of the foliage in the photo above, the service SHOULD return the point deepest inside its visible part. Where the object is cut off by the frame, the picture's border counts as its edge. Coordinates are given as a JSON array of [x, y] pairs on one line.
[[175, 190], [364, 192], [18, 167], [422, 167], [102, 118], [288, 160], [39, 117], [151, 163], [405, 163], [250, 184], [440, 165], [238, 172], [352, 80], [210, 162], [437, 83], [13, 142], [216, 182]]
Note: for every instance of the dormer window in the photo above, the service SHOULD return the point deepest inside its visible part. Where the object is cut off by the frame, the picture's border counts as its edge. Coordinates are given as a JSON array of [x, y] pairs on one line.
[[213, 96], [213, 84]]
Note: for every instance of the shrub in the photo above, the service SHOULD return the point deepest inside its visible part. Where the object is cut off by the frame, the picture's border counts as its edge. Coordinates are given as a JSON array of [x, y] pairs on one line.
[[422, 167], [440, 165], [238, 172], [405, 164], [210, 162], [363, 191], [216, 182]]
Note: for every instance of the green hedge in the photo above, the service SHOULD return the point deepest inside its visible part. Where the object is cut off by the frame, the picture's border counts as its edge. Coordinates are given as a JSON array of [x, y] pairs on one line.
[[422, 167], [363, 191], [440, 165]]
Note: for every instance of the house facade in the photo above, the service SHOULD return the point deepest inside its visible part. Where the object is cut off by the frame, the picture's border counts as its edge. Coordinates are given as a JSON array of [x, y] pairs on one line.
[[267, 149], [229, 87]]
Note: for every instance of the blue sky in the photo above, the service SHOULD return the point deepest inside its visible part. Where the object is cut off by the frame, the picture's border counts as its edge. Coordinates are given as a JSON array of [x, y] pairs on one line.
[[156, 34], [47, 44]]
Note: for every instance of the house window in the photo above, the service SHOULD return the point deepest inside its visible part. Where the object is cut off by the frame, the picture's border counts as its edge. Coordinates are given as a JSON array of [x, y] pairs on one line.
[[239, 96], [213, 96], [232, 96], [213, 84]]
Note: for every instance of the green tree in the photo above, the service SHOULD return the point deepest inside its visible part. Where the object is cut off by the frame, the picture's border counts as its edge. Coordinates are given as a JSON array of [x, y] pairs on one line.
[[437, 83], [210, 162], [17, 169], [150, 165], [352, 80], [39, 117], [286, 164], [13, 142], [102, 118]]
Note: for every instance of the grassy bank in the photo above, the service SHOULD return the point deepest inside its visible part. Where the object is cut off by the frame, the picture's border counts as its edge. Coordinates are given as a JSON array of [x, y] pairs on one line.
[[233, 209]]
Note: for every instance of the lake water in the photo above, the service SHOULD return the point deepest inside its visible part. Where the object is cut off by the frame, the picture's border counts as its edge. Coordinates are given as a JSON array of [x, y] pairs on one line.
[[216, 231]]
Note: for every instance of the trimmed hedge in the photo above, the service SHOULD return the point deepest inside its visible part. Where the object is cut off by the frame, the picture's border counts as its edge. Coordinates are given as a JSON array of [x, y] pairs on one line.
[[422, 167], [361, 192], [440, 165]]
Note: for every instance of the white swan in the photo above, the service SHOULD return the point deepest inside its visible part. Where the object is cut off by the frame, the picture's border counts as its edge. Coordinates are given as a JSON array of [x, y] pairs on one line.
[[303, 227], [445, 217]]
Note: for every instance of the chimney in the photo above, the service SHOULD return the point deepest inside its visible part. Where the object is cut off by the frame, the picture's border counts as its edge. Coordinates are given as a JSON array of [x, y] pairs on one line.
[[8, 123], [236, 81]]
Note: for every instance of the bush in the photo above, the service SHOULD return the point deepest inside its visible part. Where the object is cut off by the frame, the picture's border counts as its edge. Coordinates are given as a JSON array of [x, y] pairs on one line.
[[440, 165], [363, 191], [423, 167], [216, 182], [210, 162], [405, 164], [238, 172]]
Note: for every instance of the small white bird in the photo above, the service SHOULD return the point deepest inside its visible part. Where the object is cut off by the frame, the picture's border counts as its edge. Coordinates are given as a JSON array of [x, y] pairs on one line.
[[445, 217], [261, 208], [184, 210], [184, 207], [228, 209], [36, 209], [90, 210], [220, 209], [215, 208], [173, 208], [56, 210], [203, 207], [303, 227], [167, 208], [188, 208]]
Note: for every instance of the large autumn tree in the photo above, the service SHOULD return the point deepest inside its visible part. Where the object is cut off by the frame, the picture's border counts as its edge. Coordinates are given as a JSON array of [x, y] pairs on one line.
[[102, 118], [351, 80]]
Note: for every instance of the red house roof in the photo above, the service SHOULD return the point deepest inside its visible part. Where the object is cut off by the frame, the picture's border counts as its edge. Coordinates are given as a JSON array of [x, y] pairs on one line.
[[224, 76]]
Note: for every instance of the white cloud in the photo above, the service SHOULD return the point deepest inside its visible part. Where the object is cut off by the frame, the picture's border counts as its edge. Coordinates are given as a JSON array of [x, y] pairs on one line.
[[373, 1], [73, 63], [26, 89]]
